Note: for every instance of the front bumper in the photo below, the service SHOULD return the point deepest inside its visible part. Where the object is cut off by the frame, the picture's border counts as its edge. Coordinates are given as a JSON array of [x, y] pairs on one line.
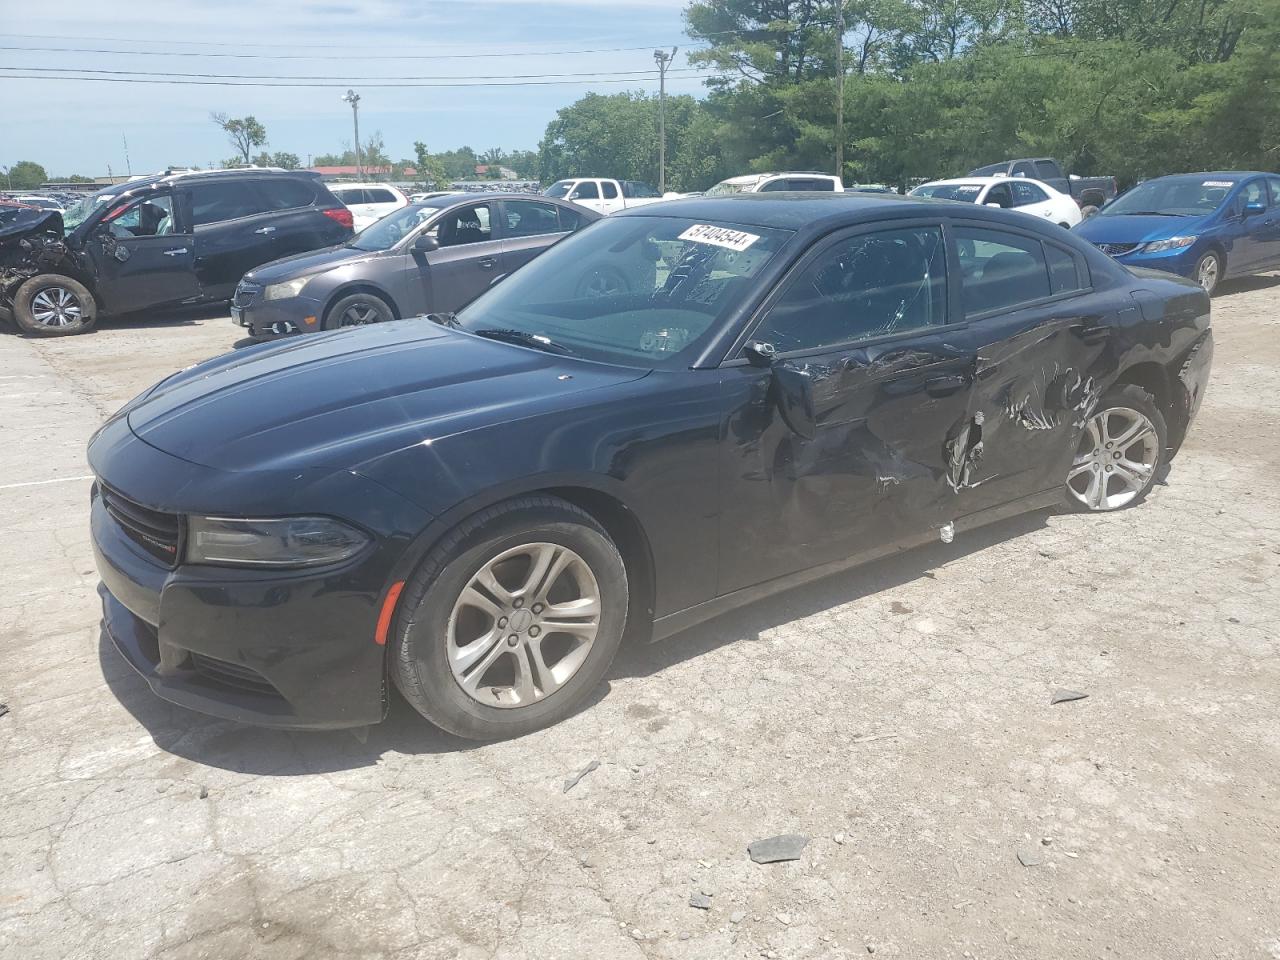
[[1180, 262], [265, 319], [278, 648]]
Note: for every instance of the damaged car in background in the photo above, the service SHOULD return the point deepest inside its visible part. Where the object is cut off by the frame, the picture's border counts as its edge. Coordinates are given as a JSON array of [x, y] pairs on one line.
[[167, 239], [476, 511]]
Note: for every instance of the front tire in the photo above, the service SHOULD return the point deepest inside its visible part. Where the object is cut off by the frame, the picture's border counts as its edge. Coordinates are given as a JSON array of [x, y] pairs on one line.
[[51, 305], [357, 310], [511, 621], [1119, 453], [1209, 272]]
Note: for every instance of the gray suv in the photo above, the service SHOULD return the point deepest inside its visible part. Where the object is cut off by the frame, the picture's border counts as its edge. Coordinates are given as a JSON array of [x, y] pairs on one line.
[[430, 257]]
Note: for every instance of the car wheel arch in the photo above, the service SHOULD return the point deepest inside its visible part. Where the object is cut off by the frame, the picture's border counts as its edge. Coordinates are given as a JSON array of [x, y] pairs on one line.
[[365, 287], [597, 497], [1155, 379]]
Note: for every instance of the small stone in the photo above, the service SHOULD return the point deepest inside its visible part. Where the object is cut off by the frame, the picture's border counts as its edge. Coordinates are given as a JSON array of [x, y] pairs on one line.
[[162, 787], [204, 793], [700, 901], [737, 916], [1066, 696], [637, 934], [776, 849], [871, 948], [1233, 619], [783, 918], [838, 838], [4, 708], [652, 840], [706, 863], [684, 935], [899, 608], [574, 780], [1046, 840], [1029, 857]]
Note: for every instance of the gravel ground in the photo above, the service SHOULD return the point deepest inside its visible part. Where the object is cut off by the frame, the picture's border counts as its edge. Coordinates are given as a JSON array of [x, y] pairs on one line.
[[899, 715]]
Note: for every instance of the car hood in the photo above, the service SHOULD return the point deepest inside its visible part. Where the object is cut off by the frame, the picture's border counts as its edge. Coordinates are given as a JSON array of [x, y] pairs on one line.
[[1131, 228], [24, 221], [305, 264], [336, 400]]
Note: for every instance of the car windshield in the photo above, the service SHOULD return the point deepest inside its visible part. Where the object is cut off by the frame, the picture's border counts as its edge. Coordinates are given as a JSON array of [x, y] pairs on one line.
[[1192, 196], [394, 227], [964, 192], [640, 291], [559, 189], [726, 187], [79, 211]]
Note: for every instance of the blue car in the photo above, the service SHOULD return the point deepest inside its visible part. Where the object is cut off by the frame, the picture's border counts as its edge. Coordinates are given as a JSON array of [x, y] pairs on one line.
[[1204, 226]]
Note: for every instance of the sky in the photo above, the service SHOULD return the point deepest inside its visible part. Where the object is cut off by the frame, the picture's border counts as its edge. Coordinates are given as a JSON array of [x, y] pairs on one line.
[[81, 127]]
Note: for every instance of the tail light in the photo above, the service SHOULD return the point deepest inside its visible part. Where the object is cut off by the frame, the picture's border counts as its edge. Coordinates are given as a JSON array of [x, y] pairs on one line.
[[342, 215]]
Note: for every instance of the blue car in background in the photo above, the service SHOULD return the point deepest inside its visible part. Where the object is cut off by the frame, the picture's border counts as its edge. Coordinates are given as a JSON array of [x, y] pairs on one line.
[[1204, 226]]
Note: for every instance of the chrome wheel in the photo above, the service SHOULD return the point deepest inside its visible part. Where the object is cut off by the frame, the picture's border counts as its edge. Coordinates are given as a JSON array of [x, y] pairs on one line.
[[359, 314], [1208, 271], [523, 625], [56, 307], [1116, 460]]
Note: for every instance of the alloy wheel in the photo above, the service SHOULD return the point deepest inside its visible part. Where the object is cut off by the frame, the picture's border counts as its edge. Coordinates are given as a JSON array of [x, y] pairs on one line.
[[523, 625], [1207, 272], [56, 307], [359, 314], [1116, 459]]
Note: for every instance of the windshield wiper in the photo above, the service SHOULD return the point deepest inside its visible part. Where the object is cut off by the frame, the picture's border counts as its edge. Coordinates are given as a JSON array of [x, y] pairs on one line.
[[535, 340], [1152, 213], [444, 319]]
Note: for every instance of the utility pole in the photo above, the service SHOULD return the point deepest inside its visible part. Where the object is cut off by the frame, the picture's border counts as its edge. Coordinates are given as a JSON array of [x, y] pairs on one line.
[[840, 89], [353, 98], [127, 165], [663, 60]]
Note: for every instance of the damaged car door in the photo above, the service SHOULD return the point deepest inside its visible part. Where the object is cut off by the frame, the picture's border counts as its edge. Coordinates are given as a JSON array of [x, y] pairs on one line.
[[143, 255], [1041, 340], [842, 400]]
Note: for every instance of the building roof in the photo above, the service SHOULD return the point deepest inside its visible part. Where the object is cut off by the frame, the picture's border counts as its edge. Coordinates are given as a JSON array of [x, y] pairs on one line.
[[363, 171]]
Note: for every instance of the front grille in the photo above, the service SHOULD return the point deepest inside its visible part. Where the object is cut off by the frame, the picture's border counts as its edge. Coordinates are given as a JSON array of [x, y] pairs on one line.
[[1117, 249], [245, 293], [232, 674], [156, 532]]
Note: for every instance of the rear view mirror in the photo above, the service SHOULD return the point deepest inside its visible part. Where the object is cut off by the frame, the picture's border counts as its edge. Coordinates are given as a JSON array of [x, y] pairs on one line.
[[759, 353], [425, 244]]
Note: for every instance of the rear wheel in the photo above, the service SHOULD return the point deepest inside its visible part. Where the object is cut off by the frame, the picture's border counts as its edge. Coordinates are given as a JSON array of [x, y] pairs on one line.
[[49, 305], [510, 623], [1120, 450], [357, 310]]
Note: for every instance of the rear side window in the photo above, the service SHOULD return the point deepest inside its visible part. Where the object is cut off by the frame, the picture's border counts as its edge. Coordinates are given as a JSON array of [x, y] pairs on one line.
[[1067, 273], [1047, 170], [224, 200], [635, 188], [1027, 193], [1000, 270], [286, 194], [1274, 184], [571, 219], [529, 218], [379, 196], [782, 183], [349, 195], [610, 191], [814, 184]]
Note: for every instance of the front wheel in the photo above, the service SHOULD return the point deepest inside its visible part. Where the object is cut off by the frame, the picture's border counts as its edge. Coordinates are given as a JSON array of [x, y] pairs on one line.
[[357, 310], [1209, 272], [1119, 452], [50, 305], [511, 622]]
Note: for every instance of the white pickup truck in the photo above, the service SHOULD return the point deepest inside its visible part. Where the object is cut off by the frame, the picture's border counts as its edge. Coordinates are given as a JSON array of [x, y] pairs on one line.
[[603, 195]]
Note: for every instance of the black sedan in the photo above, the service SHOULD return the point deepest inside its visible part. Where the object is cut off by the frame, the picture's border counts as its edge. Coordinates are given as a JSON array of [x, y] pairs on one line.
[[430, 257], [479, 509]]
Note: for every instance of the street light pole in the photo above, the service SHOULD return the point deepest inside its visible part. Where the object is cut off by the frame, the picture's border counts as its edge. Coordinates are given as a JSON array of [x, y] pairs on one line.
[[353, 98], [840, 90], [663, 60]]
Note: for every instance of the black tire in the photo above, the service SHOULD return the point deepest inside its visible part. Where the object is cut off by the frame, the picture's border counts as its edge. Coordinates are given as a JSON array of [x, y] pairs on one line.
[[1209, 271], [73, 308], [1126, 397], [419, 663], [374, 307]]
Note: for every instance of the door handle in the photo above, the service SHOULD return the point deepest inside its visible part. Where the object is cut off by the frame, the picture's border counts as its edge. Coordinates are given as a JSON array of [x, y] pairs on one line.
[[1091, 332], [945, 385], [175, 253], [487, 263], [265, 230]]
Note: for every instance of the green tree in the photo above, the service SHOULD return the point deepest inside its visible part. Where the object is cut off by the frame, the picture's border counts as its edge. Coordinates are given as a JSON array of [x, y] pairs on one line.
[[286, 161], [244, 133], [26, 175], [430, 169]]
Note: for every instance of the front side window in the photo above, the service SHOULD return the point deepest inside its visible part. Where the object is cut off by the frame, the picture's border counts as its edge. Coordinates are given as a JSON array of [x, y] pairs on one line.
[[610, 191], [1000, 194], [963, 192], [1023, 169], [1047, 170], [586, 191], [394, 227], [1000, 270], [1255, 191], [869, 285], [528, 218], [1027, 193], [468, 225], [639, 291], [148, 217], [224, 200]]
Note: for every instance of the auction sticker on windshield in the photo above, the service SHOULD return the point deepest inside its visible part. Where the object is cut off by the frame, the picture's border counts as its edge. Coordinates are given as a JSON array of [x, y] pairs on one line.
[[1218, 183], [719, 236]]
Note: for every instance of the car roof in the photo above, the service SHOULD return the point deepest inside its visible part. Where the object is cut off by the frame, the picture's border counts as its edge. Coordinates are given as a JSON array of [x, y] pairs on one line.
[[794, 210], [459, 199], [1200, 174], [200, 176], [344, 184]]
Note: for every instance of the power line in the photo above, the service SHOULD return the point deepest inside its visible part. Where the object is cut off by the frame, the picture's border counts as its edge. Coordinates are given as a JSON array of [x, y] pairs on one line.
[[339, 77], [391, 86], [273, 56]]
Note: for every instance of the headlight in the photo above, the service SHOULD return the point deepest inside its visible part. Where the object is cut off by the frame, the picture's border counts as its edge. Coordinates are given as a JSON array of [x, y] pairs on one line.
[[282, 542], [1173, 243], [283, 291]]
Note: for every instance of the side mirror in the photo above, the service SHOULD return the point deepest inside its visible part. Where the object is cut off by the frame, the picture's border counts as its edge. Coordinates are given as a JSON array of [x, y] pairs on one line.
[[759, 353], [1255, 208], [425, 244], [993, 203]]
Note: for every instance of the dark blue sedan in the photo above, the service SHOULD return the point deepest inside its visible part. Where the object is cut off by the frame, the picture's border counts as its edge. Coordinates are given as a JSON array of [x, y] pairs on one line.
[[1204, 226]]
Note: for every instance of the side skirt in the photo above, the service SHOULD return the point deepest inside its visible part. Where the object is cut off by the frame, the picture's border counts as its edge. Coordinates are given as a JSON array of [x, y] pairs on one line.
[[681, 620]]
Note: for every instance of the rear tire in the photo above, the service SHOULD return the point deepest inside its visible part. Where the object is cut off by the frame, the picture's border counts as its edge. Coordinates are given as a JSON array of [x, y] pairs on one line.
[[511, 621], [51, 305], [357, 310], [1119, 452]]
